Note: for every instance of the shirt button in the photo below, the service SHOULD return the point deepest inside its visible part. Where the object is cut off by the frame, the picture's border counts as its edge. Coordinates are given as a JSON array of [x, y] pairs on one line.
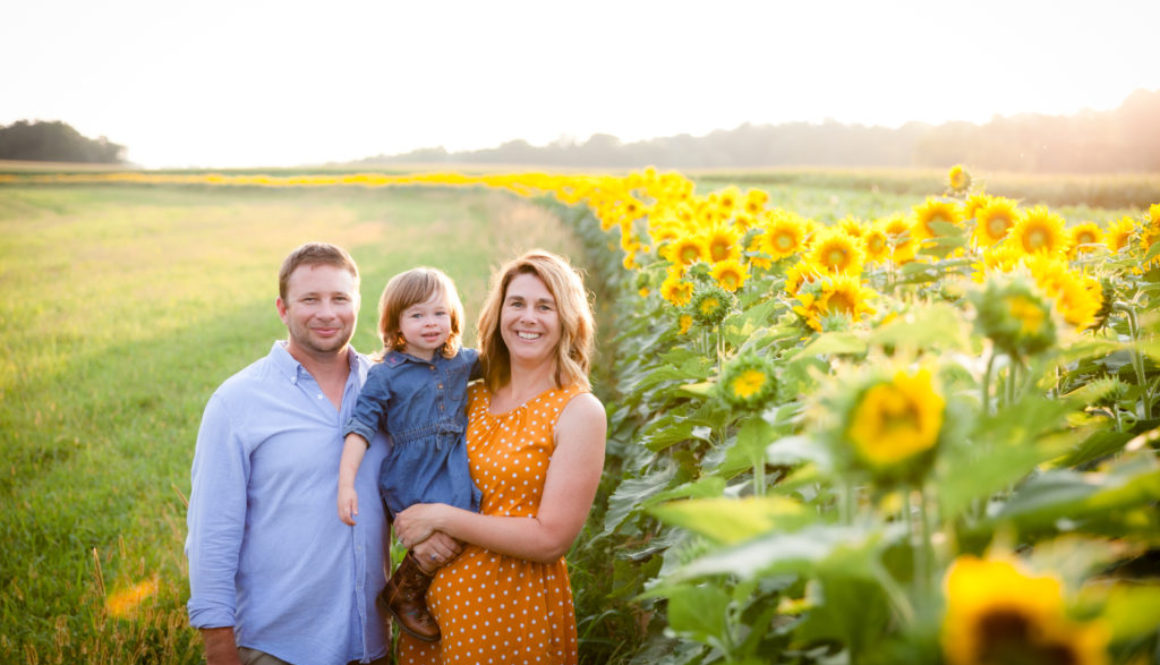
[[439, 386]]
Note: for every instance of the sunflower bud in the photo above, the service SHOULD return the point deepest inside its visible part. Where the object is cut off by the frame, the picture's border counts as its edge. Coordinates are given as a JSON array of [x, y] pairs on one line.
[[710, 304], [1014, 315], [748, 382]]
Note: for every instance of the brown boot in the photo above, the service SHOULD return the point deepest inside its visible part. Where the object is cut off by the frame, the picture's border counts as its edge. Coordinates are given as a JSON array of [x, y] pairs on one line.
[[405, 597]]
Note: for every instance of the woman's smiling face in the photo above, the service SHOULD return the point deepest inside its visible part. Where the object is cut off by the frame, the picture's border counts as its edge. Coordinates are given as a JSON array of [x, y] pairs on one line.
[[529, 321]]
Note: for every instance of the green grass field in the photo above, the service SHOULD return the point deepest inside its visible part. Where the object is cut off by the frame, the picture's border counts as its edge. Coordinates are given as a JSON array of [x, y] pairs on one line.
[[125, 307]]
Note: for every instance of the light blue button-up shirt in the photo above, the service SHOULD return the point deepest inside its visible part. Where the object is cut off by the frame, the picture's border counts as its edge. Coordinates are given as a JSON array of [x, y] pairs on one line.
[[267, 552]]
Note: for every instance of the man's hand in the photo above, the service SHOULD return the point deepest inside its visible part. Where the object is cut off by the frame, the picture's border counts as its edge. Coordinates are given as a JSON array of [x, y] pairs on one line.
[[347, 504], [437, 551], [220, 647]]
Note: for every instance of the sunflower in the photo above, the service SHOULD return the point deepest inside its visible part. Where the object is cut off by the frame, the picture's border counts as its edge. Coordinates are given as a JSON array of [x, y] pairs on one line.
[[728, 199], [994, 221], [998, 614], [1039, 231], [835, 251], [743, 222], [975, 203], [1081, 301], [685, 251], [1119, 234], [665, 230], [799, 274], [633, 209], [852, 226], [897, 419], [958, 178], [755, 201], [1151, 229], [730, 274], [1077, 297], [710, 214], [710, 304], [1150, 233], [834, 299], [629, 261], [684, 322], [676, 290], [875, 244], [785, 235], [721, 243], [1001, 258], [629, 240], [900, 232], [932, 211], [747, 381], [1082, 238]]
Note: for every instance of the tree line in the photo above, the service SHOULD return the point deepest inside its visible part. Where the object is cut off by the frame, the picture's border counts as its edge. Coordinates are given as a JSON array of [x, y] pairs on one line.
[[55, 141], [1126, 139]]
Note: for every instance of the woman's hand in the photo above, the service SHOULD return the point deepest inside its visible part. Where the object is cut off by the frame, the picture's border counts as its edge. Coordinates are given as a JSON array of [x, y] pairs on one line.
[[437, 551], [416, 524]]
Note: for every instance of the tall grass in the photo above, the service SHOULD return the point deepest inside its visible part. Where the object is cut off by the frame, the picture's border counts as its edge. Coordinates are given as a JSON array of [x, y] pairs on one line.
[[124, 307]]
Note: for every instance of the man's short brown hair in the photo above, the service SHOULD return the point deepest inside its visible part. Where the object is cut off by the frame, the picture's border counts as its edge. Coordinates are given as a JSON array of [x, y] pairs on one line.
[[315, 253]]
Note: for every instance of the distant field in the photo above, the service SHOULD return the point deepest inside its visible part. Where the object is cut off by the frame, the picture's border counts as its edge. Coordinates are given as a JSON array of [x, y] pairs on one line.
[[1116, 191], [886, 187], [124, 307]]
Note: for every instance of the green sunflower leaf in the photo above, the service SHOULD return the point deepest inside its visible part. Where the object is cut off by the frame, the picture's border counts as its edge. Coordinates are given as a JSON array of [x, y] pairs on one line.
[[732, 521]]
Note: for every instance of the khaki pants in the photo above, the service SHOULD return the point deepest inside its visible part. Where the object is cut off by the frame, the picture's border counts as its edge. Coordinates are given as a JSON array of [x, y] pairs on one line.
[[254, 657]]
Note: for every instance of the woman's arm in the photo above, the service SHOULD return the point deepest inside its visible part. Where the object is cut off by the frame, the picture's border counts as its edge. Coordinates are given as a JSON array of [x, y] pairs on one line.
[[569, 489]]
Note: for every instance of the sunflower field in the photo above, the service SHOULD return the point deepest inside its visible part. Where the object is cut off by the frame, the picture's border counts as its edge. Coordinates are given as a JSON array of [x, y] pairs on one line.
[[928, 437], [924, 437]]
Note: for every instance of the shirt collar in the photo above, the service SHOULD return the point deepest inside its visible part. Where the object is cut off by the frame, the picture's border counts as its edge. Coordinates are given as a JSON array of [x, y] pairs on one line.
[[293, 370], [396, 358]]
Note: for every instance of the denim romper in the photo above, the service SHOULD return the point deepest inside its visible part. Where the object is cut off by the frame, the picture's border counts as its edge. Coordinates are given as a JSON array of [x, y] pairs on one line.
[[422, 406]]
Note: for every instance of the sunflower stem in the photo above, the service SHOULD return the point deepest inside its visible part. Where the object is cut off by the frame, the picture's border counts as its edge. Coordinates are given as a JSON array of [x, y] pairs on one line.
[[1138, 365], [845, 502], [1010, 385], [902, 605], [912, 537], [927, 544], [720, 347], [986, 403]]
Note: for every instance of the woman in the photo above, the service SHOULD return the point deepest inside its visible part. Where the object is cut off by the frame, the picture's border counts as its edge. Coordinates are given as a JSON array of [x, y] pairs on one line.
[[535, 444]]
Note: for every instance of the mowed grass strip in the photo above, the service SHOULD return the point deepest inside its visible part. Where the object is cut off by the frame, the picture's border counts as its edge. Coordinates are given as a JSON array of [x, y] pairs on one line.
[[124, 308]]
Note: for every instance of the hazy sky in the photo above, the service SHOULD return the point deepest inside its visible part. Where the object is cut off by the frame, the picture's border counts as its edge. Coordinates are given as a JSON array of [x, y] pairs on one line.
[[252, 83]]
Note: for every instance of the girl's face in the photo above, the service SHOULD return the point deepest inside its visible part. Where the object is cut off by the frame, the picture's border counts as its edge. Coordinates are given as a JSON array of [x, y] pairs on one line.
[[426, 326], [529, 322]]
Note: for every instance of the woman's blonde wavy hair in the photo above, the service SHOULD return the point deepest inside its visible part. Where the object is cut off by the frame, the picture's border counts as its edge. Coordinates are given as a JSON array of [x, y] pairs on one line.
[[577, 327]]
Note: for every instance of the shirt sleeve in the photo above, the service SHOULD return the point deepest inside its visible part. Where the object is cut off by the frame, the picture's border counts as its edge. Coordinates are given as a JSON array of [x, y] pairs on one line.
[[370, 411], [472, 356], [216, 518]]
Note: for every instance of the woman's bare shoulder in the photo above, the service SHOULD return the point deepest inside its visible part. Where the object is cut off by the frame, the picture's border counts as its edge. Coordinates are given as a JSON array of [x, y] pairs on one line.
[[584, 407]]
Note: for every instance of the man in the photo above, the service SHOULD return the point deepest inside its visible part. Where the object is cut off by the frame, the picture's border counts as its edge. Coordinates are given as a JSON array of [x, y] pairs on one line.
[[274, 575]]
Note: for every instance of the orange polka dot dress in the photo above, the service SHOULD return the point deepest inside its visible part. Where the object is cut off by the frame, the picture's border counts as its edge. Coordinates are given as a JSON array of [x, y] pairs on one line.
[[493, 608]]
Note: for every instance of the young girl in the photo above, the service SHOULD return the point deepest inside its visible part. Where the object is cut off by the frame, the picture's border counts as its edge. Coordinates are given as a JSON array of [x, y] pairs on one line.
[[417, 394]]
